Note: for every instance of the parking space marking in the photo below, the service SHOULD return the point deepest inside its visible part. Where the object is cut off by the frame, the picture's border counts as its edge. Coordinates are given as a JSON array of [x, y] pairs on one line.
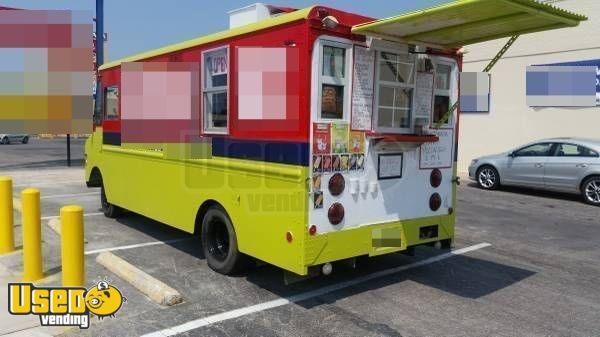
[[58, 216], [69, 195], [44, 183], [152, 243], [198, 323]]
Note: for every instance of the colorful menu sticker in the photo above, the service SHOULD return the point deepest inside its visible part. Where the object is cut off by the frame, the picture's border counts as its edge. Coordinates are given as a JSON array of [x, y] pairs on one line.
[[339, 137], [353, 162], [360, 161], [327, 163], [336, 163], [357, 141], [317, 163], [345, 161], [318, 199], [321, 138], [316, 183]]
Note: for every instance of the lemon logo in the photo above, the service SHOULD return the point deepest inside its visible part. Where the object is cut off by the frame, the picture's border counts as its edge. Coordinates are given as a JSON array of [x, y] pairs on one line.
[[104, 300]]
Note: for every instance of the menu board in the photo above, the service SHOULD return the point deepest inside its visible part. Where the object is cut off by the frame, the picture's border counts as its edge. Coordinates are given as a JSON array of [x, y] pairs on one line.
[[362, 88], [438, 154], [389, 166], [424, 95]]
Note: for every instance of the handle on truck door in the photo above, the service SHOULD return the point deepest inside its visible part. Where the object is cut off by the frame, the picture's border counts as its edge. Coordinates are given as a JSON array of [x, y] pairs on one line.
[[539, 165], [581, 165]]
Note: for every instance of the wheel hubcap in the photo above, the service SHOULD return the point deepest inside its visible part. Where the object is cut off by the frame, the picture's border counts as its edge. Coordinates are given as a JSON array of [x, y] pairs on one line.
[[218, 240], [487, 178], [592, 191]]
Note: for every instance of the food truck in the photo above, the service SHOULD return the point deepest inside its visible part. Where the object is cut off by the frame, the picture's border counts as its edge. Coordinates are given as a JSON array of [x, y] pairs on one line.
[[299, 137]]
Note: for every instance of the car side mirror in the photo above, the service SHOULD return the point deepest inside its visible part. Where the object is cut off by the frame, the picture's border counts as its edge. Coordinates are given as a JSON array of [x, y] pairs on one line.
[[512, 155]]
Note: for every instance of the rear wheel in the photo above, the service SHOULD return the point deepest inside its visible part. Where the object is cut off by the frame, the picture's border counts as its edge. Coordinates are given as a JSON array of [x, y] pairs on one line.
[[488, 178], [109, 210], [5, 140], [590, 190], [25, 140], [219, 243]]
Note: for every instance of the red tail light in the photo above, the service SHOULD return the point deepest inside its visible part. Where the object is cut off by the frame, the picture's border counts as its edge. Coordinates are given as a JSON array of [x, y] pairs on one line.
[[312, 230], [435, 202], [337, 184], [336, 213], [436, 178], [289, 237]]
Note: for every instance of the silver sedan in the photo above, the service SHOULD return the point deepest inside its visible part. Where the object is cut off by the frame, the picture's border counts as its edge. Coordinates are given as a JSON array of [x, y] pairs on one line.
[[560, 164], [6, 138]]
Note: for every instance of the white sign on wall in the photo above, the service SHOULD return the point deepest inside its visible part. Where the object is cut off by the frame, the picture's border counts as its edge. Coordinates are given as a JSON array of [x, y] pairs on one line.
[[424, 95], [437, 154], [362, 88]]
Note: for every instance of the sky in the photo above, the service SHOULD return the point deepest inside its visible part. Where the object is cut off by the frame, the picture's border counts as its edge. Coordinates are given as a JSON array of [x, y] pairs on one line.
[[135, 26]]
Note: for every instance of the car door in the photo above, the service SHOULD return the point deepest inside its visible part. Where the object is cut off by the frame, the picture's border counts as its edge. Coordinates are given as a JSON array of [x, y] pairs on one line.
[[526, 166], [568, 166]]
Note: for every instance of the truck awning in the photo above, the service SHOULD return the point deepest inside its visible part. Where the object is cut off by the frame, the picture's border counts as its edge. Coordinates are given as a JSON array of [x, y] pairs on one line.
[[465, 22]]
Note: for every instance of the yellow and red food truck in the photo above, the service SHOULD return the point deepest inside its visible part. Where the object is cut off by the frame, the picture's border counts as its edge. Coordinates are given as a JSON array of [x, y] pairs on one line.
[[310, 136]]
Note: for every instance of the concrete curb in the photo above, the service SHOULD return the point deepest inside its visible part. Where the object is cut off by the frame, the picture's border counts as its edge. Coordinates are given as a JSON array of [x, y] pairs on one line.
[[151, 287], [54, 224]]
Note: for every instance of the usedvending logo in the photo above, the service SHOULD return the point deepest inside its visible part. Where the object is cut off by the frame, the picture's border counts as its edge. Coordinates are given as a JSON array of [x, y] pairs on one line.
[[64, 306]]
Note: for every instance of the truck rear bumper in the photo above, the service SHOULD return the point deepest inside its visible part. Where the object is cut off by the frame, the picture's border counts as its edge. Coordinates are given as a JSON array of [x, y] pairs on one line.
[[376, 239]]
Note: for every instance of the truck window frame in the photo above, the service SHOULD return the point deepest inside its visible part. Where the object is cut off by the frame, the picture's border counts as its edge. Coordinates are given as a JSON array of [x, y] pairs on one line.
[[205, 91]]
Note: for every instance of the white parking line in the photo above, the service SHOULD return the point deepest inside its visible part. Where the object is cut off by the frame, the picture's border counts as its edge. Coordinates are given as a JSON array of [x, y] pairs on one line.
[[152, 243], [43, 183], [69, 195], [58, 216], [200, 322]]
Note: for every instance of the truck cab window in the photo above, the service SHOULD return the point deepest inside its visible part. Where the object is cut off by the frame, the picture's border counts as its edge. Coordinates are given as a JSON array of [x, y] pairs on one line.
[[111, 103], [441, 101], [334, 82], [215, 88]]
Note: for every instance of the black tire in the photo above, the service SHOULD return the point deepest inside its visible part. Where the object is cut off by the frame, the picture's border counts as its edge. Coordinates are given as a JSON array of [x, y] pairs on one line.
[[487, 177], [219, 243], [590, 190], [25, 140], [110, 211], [5, 141]]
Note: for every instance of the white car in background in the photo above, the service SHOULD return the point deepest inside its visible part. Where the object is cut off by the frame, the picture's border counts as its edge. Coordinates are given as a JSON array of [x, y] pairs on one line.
[[569, 165], [6, 138]]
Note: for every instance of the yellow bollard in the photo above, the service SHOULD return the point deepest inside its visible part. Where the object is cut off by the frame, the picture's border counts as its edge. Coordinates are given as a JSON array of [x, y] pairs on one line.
[[71, 233], [32, 235], [7, 237]]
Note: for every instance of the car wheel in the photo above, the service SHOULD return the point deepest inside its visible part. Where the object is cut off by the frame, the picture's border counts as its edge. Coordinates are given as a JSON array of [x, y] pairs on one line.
[[109, 210], [25, 140], [5, 141], [488, 178], [219, 243], [590, 190]]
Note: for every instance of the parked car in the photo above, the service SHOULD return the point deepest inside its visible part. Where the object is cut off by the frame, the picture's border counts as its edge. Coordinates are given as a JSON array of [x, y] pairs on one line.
[[6, 138], [560, 164]]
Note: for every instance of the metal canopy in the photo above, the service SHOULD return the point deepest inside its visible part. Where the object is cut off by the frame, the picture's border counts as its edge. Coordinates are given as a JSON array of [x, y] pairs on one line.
[[465, 22]]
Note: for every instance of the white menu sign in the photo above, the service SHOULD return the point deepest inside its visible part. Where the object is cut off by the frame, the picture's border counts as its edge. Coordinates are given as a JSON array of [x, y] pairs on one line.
[[424, 95], [438, 154], [362, 88]]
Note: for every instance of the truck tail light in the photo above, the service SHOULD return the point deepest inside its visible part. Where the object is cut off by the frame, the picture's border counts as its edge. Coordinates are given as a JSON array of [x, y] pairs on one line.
[[435, 202], [312, 230], [436, 178], [336, 213], [337, 183]]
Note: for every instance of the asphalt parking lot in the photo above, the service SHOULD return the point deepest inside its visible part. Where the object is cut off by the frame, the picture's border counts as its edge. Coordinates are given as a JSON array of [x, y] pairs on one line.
[[526, 264]]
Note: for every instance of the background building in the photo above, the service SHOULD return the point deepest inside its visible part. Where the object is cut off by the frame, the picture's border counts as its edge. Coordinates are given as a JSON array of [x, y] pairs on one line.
[[510, 122]]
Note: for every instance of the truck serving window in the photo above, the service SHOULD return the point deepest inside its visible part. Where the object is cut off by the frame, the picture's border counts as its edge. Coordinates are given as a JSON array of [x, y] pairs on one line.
[[334, 81], [215, 88], [111, 103], [395, 86]]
